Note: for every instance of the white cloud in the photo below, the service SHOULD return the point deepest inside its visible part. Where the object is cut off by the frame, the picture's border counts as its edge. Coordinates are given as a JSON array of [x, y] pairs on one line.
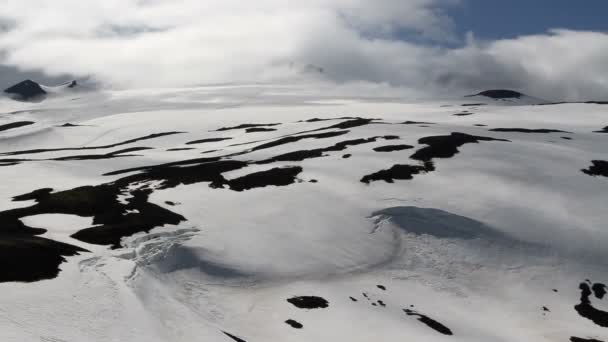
[[134, 43]]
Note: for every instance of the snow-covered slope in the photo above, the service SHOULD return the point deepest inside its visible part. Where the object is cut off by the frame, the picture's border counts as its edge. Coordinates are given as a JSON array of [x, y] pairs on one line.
[[290, 213]]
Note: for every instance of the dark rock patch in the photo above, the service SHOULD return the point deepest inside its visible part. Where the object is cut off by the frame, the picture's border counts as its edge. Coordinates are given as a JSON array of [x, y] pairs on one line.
[[69, 125], [555, 290], [431, 323], [320, 120], [296, 138], [346, 156], [381, 303], [294, 324], [309, 302], [464, 114], [417, 123], [392, 148], [244, 126], [26, 91], [599, 168], [259, 129], [28, 258], [474, 104], [603, 130], [170, 203], [402, 172], [587, 310], [16, 124], [391, 137], [599, 290], [318, 152], [381, 287], [202, 141], [500, 94], [353, 299], [126, 142], [110, 155], [546, 309], [578, 339], [566, 138], [446, 146], [180, 149], [274, 177], [480, 125], [526, 130], [237, 339]]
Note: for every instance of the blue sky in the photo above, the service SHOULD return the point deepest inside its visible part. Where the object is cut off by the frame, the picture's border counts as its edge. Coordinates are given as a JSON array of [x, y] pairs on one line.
[[498, 19]]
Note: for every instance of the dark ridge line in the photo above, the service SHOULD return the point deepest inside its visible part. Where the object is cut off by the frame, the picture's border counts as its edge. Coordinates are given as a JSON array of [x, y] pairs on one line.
[[234, 337], [126, 142], [202, 141], [273, 177], [399, 172], [330, 119], [223, 129], [209, 151], [604, 130], [599, 168], [580, 102], [586, 310], [446, 146], [599, 290], [180, 149], [259, 129], [392, 148], [166, 165], [474, 104], [294, 324], [463, 114], [318, 152], [578, 339], [308, 302], [431, 323], [292, 139], [526, 130], [16, 124], [417, 123], [499, 94], [480, 125], [115, 154]]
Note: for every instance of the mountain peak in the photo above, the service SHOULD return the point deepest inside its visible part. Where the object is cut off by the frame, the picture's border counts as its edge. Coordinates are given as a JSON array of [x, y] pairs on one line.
[[501, 94], [26, 90]]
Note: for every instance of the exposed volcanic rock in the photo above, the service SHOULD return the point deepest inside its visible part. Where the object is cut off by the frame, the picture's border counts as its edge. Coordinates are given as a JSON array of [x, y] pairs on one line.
[[500, 94], [526, 130], [259, 129], [431, 323], [578, 339], [587, 310], [446, 146], [26, 91], [126, 142], [309, 302], [402, 172], [234, 337], [277, 177], [294, 324], [243, 126], [295, 138], [28, 258], [599, 168], [16, 124], [417, 123], [392, 148], [603, 130], [318, 152], [202, 141]]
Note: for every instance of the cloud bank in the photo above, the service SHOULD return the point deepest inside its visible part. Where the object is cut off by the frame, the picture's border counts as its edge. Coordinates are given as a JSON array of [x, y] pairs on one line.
[[409, 44]]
